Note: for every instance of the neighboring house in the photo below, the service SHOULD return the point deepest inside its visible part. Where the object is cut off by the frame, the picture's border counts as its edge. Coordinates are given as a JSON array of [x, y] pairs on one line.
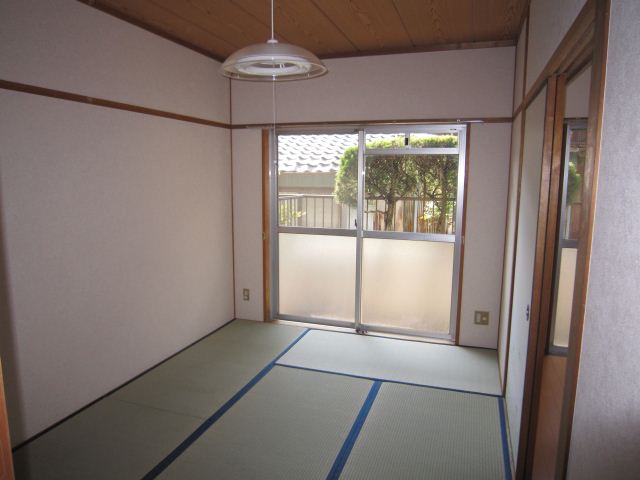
[[307, 168]]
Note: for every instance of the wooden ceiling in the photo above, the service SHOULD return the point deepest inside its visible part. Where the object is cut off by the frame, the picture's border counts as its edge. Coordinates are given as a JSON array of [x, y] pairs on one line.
[[329, 28]]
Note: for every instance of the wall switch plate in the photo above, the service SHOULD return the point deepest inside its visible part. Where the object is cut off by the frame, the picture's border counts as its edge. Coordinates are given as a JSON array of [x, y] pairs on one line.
[[481, 318], [245, 294]]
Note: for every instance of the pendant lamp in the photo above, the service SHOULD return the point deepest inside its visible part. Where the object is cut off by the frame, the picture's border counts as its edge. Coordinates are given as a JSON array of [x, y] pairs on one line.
[[272, 62]]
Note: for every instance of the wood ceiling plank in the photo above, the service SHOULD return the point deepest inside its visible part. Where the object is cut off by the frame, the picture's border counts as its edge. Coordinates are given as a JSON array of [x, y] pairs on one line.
[[329, 28], [496, 19], [371, 25], [160, 19], [302, 23], [221, 16], [435, 22]]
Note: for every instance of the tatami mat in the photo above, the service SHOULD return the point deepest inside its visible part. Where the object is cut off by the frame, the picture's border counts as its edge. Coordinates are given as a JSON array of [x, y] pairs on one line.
[[128, 433], [415, 433], [110, 440], [443, 366], [199, 380], [291, 425], [221, 409]]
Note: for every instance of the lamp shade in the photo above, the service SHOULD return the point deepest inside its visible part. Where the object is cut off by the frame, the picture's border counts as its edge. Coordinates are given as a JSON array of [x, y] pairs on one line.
[[272, 62]]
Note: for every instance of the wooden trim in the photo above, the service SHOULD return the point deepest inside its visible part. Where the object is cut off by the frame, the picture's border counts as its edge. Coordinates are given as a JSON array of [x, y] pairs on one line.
[[520, 107], [6, 458], [203, 51], [150, 28], [464, 229], [367, 123], [100, 102], [517, 219], [81, 409], [525, 16], [592, 162], [266, 258], [569, 52], [515, 248], [518, 110], [443, 47], [547, 269], [233, 223], [534, 315]]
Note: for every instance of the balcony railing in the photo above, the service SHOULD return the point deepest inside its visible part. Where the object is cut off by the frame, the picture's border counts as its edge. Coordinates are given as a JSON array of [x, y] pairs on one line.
[[409, 215]]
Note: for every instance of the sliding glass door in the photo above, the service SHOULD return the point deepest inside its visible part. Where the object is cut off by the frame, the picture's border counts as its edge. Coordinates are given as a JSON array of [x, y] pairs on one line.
[[366, 228]]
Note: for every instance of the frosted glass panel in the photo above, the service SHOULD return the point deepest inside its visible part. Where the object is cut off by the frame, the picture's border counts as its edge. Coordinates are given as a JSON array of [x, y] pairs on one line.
[[317, 276], [407, 284], [564, 301]]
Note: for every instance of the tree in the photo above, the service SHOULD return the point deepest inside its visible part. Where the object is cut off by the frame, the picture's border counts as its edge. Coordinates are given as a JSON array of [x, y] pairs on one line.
[[429, 178]]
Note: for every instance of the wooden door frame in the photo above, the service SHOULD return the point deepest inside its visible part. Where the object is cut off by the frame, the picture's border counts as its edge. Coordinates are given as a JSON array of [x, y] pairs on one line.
[[584, 44]]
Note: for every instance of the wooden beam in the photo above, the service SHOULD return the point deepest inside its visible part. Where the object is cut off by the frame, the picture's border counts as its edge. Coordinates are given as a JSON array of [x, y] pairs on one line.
[[443, 47], [101, 102], [547, 268]]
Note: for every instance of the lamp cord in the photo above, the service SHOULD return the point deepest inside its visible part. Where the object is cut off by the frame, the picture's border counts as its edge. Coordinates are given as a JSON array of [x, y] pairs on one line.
[[273, 37]]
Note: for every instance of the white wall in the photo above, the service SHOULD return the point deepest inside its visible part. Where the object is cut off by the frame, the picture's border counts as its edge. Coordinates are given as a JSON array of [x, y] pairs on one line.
[[577, 99], [484, 235], [524, 262], [463, 83], [116, 225], [518, 85], [549, 21], [509, 245], [606, 424], [247, 221], [65, 45], [466, 83]]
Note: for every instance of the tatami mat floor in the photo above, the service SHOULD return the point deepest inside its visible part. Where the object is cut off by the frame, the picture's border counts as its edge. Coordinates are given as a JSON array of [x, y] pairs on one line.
[[258, 400]]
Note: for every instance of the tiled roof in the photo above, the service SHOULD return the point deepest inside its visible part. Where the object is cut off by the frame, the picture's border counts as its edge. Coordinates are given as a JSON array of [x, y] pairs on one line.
[[320, 153], [313, 153]]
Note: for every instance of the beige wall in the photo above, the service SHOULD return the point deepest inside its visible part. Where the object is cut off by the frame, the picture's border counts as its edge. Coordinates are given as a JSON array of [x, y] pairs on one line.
[[484, 236], [65, 45], [247, 221], [463, 83], [524, 262], [512, 203], [442, 84], [577, 99], [518, 85], [549, 22], [509, 245], [116, 226], [606, 421]]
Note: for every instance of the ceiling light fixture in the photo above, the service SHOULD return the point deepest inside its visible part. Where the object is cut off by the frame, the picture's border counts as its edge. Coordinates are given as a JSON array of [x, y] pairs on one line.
[[273, 62]]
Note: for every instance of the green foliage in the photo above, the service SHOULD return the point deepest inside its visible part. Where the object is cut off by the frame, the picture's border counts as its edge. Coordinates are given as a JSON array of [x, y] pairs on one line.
[[574, 180], [431, 178], [346, 189]]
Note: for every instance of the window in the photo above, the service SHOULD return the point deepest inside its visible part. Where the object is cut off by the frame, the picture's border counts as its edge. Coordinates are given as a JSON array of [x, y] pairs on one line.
[[366, 230]]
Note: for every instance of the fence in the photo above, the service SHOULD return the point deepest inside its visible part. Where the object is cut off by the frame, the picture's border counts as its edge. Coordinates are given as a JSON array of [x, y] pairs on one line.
[[323, 211]]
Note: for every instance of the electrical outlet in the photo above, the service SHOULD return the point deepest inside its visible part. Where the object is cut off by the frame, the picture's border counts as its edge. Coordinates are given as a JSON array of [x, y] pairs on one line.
[[481, 318], [245, 294]]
